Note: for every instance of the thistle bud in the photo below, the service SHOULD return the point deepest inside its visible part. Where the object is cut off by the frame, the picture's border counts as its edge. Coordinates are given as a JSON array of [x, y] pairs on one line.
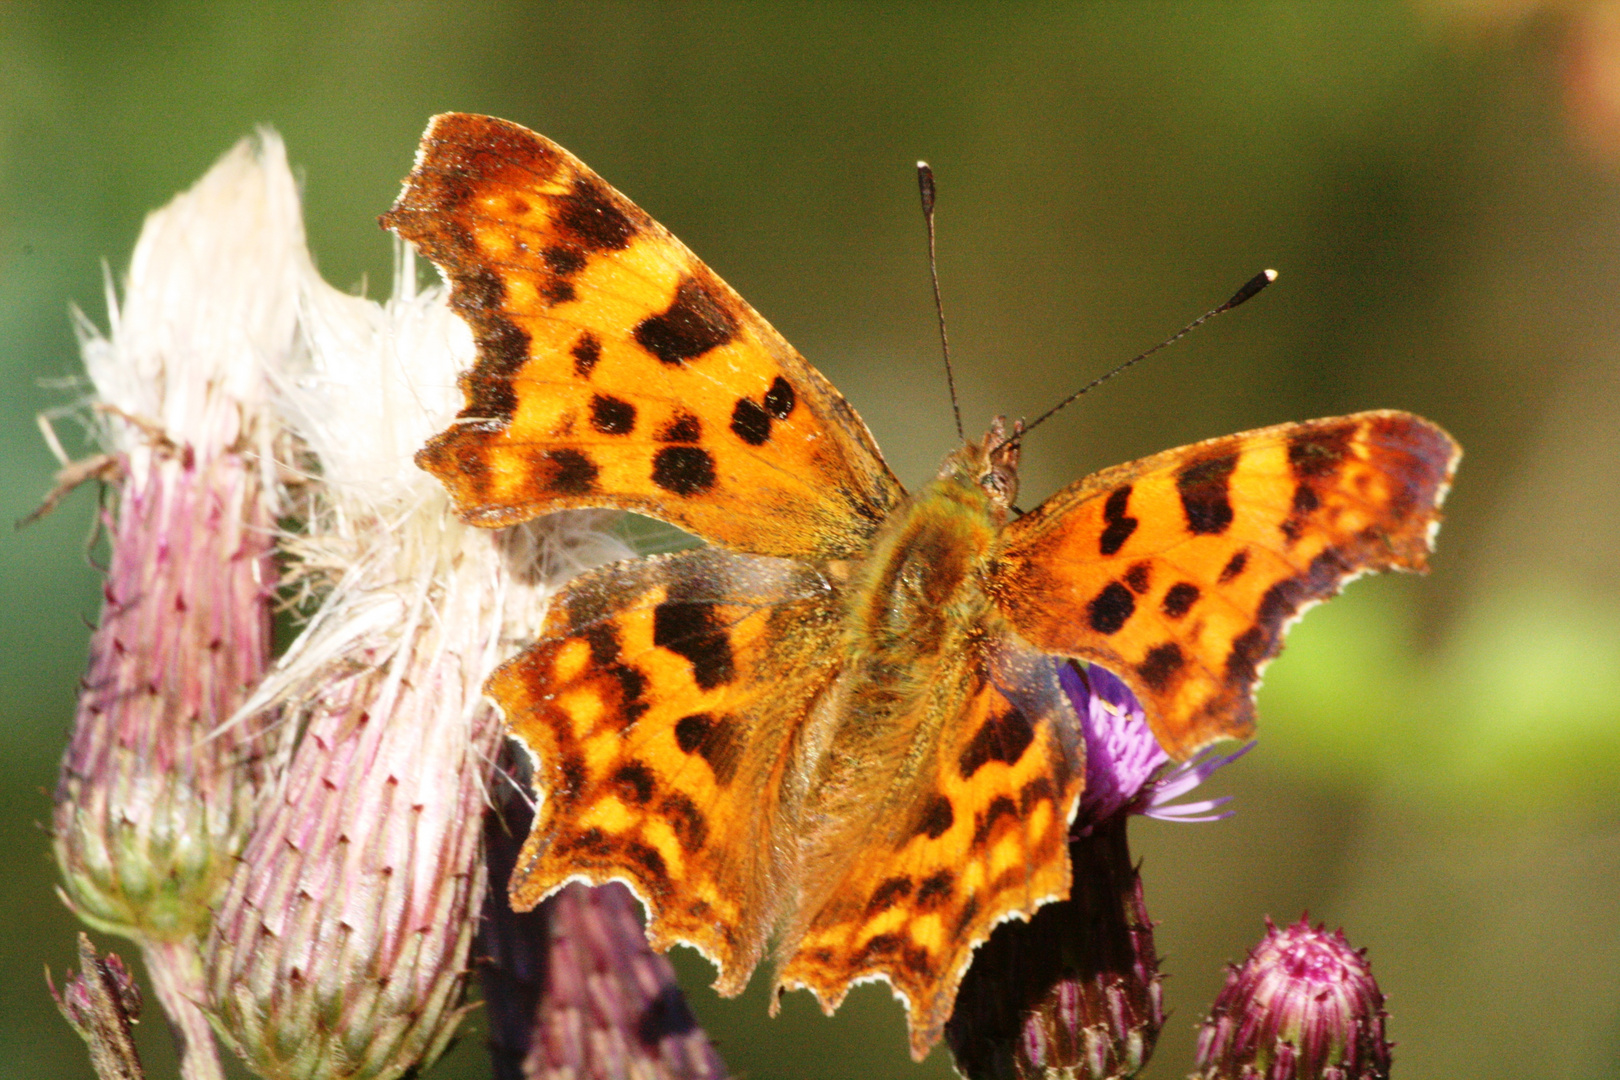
[[1303, 1006], [101, 1002], [340, 947], [155, 796]]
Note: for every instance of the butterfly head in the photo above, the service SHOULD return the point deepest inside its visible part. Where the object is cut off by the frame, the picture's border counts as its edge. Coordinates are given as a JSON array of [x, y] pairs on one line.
[[991, 464]]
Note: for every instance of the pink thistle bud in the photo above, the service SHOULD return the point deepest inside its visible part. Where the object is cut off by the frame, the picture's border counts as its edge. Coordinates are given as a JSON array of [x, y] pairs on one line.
[[155, 798], [1303, 1006], [340, 947]]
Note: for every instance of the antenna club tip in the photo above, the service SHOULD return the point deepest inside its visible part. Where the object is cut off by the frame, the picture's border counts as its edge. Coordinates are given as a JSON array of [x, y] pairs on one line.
[[921, 165], [1248, 291]]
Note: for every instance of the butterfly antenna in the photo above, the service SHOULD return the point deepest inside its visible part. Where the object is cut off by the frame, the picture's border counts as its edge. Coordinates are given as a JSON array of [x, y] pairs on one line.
[[925, 187], [1248, 292]]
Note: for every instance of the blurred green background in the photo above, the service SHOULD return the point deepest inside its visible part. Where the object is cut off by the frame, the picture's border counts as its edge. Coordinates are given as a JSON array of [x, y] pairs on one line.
[[1439, 185]]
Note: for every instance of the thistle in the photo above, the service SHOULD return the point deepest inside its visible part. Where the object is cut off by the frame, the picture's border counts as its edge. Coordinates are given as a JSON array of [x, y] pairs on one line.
[[340, 948], [101, 1003], [1075, 992], [1303, 1006], [155, 796]]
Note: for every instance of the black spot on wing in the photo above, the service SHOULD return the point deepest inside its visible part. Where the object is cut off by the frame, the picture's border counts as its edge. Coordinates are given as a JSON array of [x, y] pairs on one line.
[[647, 859], [690, 826], [1004, 737], [780, 398], [590, 219], [1305, 503], [603, 638], [985, 822], [611, 415], [682, 427], [693, 631], [481, 292], [1160, 668], [1317, 452], [1035, 791], [713, 738], [935, 888], [936, 818], [698, 320], [566, 472], [563, 261], [1120, 527], [633, 783], [571, 777], [1179, 599], [1305, 499], [586, 352], [1110, 609], [1234, 566], [888, 894], [1139, 577], [683, 470], [1205, 494], [750, 422], [632, 685]]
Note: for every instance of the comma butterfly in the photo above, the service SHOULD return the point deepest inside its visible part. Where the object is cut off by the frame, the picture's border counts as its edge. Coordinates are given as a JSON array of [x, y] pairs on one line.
[[841, 721]]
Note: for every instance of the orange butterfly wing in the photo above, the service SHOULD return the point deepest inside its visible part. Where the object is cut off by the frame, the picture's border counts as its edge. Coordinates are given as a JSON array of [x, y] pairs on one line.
[[615, 369], [661, 705], [1181, 572]]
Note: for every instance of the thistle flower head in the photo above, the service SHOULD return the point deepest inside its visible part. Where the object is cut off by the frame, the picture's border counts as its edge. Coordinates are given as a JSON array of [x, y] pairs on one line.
[[1126, 771], [340, 948], [155, 797], [152, 802], [1303, 1006]]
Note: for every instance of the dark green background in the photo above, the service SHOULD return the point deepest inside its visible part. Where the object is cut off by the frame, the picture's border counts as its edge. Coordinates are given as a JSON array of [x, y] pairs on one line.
[[1438, 761]]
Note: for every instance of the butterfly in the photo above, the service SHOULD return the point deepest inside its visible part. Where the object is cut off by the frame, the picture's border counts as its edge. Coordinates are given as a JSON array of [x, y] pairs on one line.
[[840, 721]]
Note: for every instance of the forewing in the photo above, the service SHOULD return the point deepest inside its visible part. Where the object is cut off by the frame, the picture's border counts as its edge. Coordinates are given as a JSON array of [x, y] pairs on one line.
[[615, 369], [661, 706], [1181, 572], [978, 836]]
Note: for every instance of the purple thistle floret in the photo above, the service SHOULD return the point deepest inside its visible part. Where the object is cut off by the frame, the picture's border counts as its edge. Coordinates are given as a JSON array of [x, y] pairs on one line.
[[1303, 1006], [1126, 770]]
